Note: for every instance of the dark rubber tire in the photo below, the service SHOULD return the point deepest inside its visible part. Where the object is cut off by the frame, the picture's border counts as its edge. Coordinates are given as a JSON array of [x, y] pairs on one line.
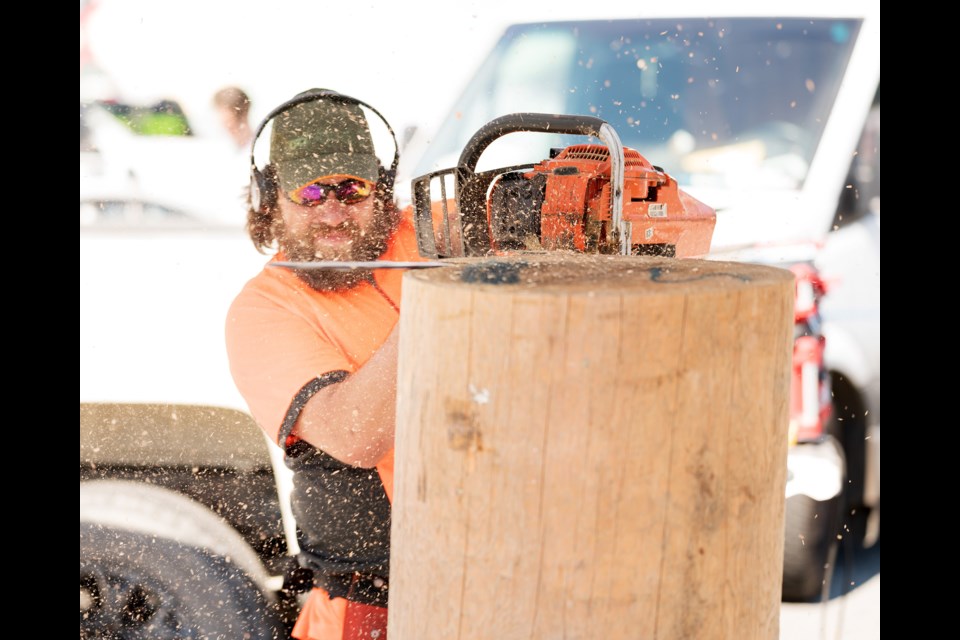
[[810, 546], [135, 586]]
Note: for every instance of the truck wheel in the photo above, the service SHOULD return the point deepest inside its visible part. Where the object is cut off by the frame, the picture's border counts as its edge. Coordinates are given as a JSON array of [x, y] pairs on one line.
[[135, 586], [809, 547], [814, 503], [156, 511]]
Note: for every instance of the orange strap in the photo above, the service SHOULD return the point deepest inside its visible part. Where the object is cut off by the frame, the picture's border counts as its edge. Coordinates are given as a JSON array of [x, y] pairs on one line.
[[364, 622], [326, 618]]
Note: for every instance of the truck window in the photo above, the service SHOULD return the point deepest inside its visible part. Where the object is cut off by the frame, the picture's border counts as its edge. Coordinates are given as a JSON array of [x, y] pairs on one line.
[[718, 102]]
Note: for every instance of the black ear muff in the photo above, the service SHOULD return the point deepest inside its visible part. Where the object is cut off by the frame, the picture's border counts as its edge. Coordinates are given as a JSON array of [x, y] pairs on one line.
[[385, 180], [263, 188], [262, 194]]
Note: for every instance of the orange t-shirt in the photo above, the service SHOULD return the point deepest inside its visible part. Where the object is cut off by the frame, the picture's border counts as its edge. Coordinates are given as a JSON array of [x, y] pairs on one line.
[[281, 334]]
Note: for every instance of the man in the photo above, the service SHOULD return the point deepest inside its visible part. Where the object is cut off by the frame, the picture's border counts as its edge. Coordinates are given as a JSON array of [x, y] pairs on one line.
[[314, 352], [233, 108], [232, 105]]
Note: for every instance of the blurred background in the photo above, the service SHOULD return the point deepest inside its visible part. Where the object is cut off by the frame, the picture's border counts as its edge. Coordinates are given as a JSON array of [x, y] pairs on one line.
[[144, 51], [152, 69]]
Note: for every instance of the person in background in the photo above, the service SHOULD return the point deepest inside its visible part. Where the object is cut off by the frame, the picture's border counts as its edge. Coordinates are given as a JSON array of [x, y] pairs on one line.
[[314, 351], [233, 107]]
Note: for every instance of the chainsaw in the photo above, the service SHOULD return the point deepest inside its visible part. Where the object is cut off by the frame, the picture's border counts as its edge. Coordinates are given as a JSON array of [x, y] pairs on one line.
[[587, 198]]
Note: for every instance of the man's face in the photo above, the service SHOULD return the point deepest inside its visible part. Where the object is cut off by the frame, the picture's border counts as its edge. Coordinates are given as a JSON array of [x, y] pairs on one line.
[[328, 230], [332, 230]]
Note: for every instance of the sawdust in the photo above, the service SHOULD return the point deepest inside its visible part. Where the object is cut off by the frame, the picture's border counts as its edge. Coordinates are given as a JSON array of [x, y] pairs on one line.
[[571, 271]]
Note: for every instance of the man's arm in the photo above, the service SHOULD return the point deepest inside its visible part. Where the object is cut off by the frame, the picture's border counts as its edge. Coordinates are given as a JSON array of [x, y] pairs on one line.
[[353, 420]]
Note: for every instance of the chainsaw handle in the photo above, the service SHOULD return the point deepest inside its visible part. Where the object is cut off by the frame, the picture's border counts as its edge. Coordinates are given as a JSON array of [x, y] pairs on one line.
[[554, 123], [515, 122]]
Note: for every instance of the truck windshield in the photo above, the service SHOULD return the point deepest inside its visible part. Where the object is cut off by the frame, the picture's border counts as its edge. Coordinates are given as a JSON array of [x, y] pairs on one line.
[[715, 102]]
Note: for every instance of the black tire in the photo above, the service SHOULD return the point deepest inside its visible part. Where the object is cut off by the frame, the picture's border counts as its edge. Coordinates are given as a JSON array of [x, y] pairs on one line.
[[159, 512], [810, 546], [138, 587]]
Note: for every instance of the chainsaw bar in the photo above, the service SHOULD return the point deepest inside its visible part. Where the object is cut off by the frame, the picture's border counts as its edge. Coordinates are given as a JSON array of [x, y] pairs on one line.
[[348, 265]]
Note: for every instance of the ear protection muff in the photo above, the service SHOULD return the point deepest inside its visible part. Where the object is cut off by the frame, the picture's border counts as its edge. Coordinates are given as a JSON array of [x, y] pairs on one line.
[[385, 178], [263, 190]]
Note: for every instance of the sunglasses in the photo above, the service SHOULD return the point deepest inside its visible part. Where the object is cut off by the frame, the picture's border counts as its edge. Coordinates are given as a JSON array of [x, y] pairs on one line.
[[349, 191]]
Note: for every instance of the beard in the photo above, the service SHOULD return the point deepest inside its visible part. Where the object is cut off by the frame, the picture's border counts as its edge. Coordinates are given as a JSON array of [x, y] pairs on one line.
[[365, 245]]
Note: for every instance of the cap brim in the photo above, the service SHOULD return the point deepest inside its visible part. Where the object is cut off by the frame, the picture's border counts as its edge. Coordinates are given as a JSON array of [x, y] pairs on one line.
[[294, 174]]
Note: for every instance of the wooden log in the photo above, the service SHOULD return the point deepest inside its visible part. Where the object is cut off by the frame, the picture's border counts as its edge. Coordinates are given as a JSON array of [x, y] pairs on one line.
[[591, 447]]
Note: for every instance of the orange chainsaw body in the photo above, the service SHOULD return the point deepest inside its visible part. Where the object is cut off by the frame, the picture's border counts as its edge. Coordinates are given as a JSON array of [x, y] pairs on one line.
[[576, 214], [564, 203]]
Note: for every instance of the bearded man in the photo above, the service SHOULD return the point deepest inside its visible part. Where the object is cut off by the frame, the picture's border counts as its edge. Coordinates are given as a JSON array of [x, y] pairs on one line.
[[314, 351]]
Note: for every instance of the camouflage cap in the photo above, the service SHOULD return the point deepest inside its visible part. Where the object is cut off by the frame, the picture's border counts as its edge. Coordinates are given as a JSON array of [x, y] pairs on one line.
[[321, 137]]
